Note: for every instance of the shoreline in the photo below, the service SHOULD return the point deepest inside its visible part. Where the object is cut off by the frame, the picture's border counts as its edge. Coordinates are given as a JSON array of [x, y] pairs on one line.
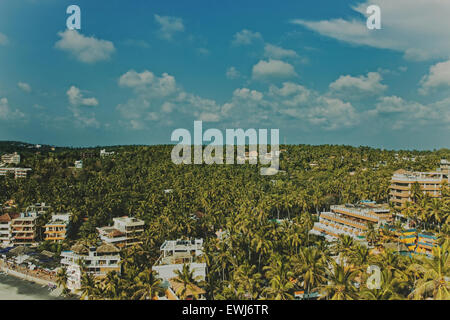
[[24, 276], [8, 272], [15, 288]]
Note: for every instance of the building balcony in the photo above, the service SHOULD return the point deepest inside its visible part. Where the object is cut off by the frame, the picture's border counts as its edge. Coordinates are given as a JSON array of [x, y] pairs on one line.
[[364, 215], [338, 218]]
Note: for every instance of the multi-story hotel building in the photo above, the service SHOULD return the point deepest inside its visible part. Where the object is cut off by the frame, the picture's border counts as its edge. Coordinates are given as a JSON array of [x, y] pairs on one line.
[[13, 158], [18, 172], [5, 228], [176, 253], [97, 261], [429, 182], [23, 229], [351, 220], [56, 229], [124, 233]]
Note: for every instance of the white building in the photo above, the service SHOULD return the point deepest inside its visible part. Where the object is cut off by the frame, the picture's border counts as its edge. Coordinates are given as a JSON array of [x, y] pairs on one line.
[[103, 153], [96, 261], [73, 273], [351, 220], [124, 233], [18, 172], [56, 229], [23, 229], [39, 208], [5, 228], [176, 253], [13, 158], [79, 164]]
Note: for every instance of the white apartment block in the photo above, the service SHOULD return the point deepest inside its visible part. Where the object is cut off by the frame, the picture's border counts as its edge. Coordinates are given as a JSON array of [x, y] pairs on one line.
[[124, 233], [5, 228], [18, 172], [39, 208], [176, 253], [56, 229], [73, 273], [13, 158], [79, 164], [104, 153], [23, 229], [429, 182], [97, 261]]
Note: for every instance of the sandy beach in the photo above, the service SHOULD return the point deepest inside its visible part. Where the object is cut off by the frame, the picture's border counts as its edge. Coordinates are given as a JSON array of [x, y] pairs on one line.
[[12, 288]]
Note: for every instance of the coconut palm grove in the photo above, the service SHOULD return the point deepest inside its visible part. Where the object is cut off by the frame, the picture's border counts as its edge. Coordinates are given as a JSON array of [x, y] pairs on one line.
[[253, 234]]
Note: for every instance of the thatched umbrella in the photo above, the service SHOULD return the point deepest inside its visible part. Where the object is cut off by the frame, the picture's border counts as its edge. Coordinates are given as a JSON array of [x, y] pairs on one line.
[[80, 248]]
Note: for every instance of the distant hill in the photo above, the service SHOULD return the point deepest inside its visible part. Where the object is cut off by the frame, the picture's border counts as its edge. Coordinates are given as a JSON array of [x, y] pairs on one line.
[[23, 147]]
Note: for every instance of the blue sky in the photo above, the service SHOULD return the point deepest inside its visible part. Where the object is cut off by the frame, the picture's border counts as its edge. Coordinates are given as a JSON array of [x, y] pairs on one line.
[[139, 69]]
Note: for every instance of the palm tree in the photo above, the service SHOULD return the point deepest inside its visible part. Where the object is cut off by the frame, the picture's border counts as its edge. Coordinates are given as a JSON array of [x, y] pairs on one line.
[[280, 288], [280, 279], [188, 281], [310, 264], [435, 272], [248, 282], [111, 285], [416, 192], [340, 285], [435, 211], [344, 246], [372, 234], [388, 288], [61, 278], [147, 285], [88, 287]]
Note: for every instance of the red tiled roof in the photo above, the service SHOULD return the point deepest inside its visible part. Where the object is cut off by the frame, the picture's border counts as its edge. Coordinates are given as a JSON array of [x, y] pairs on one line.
[[8, 217]]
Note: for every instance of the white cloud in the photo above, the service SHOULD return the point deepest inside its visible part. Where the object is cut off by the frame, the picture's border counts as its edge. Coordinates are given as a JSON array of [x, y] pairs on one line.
[[6, 113], [76, 98], [233, 73], [146, 82], [84, 49], [275, 52], [3, 39], [350, 86], [438, 76], [168, 26], [83, 118], [24, 86], [290, 104], [132, 79], [158, 98], [291, 94], [405, 24], [272, 69], [209, 117], [245, 37], [400, 113], [246, 93], [298, 102]]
